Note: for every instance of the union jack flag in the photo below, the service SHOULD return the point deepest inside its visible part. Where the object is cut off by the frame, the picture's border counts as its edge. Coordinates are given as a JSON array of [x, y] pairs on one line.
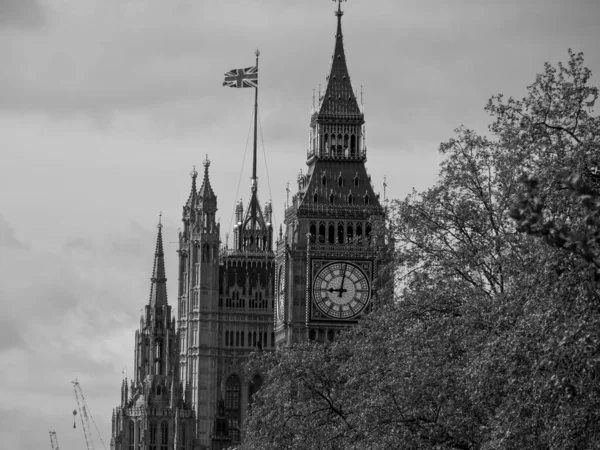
[[241, 78]]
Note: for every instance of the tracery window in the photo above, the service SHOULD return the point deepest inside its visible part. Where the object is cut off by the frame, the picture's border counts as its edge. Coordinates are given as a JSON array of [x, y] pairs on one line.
[[183, 439], [153, 429], [350, 199], [164, 436], [232, 406], [131, 434]]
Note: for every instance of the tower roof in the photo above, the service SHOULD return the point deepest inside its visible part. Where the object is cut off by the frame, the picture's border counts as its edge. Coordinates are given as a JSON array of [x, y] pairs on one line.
[[192, 198], [206, 191], [339, 99], [158, 289]]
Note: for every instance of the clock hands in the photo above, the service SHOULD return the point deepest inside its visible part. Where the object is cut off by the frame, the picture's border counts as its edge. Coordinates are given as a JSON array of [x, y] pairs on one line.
[[343, 279], [340, 290]]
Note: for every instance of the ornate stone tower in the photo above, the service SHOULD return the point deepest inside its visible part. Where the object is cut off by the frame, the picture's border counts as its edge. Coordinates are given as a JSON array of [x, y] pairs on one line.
[[154, 414], [198, 319], [225, 310], [246, 301], [326, 259]]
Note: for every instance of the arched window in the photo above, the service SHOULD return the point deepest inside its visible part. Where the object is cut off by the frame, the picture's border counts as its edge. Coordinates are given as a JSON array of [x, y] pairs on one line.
[[340, 181], [359, 230], [153, 430], [331, 236], [356, 181], [183, 436], [242, 341], [353, 145], [322, 233], [324, 180], [131, 434], [237, 338], [205, 253], [331, 198], [340, 235], [313, 232], [232, 406], [366, 199], [158, 357], [315, 198], [226, 339], [253, 387], [368, 231], [164, 436], [350, 199], [350, 232]]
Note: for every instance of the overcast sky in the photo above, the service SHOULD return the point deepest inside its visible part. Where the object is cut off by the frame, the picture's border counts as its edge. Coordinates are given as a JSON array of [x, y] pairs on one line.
[[106, 105]]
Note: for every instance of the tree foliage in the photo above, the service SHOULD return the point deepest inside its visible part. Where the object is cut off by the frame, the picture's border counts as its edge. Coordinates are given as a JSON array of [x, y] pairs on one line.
[[492, 340]]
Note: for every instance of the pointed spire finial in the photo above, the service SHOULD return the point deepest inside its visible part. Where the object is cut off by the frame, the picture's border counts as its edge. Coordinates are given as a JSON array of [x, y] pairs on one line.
[[158, 289], [339, 11], [206, 191], [193, 173]]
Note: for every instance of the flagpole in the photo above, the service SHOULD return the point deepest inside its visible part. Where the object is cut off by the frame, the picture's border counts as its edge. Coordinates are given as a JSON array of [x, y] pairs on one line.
[[254, 181]]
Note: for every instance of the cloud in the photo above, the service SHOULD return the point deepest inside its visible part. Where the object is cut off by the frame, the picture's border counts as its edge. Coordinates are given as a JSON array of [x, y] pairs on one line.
[[21, 14], [8, 238]]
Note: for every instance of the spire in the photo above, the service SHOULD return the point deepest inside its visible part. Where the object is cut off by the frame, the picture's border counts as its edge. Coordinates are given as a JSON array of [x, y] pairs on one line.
[[206, 191], [158, 289], [192, 197], [339, 98]]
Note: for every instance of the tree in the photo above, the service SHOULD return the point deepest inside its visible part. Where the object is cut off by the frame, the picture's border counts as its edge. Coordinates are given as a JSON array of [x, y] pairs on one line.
[[493, 340]]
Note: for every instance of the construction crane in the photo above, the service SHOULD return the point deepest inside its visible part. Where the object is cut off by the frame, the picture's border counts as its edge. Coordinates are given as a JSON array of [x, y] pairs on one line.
[[84, 412], [53, 440]]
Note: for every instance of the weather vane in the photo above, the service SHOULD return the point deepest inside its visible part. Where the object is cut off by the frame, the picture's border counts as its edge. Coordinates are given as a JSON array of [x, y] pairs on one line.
[[339, 2]]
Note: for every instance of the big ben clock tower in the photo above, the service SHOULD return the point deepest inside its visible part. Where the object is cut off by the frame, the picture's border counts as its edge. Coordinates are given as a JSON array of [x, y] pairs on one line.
[[326, 257]]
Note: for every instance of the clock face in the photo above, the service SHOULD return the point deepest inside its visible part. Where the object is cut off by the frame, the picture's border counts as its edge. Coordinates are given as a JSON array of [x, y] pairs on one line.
[[280, 292], [341, 290]]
